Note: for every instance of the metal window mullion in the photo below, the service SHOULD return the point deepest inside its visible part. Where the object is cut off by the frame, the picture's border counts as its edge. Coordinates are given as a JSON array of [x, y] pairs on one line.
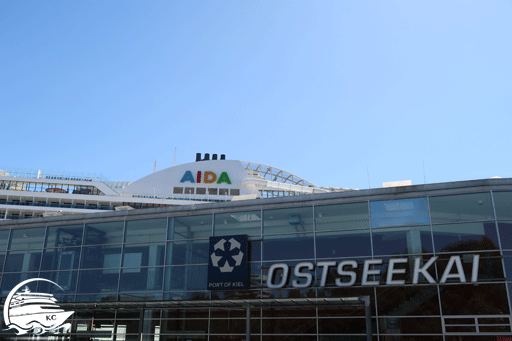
[[122, 258], [80, 259], [6, 253], [42, 252], [314, 235], [165, 258]]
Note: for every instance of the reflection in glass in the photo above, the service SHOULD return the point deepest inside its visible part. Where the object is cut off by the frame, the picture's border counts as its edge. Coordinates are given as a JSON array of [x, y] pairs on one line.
[[190, 227], [185, 277], [98, 281], [402, 240], [148, 230], [104, 233], [187, 252], [9, 281], [65, 279], [342, 217], [483, 299], [354, 243], [108, 256], [410, 325], [136, 279], [505, 228], [408, 300], [228, 224], [288, 220], [490, 267], [4, 238], [66, 258], [22, 261], [465, 237], [135, 255], [462, 207], [62, 236], [288, 246], [23, 239], [503, 204], [399, 212]]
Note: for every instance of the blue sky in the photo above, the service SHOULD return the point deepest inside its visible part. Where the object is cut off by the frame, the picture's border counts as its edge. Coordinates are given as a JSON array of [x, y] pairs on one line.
[[328, 90]]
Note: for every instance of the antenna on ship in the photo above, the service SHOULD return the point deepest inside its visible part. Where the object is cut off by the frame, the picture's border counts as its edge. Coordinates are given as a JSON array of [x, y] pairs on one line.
[[154, 170], [175, 159]]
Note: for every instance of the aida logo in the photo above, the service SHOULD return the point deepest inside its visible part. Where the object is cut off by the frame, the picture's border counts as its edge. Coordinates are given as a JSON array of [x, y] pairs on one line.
[[207, 178]]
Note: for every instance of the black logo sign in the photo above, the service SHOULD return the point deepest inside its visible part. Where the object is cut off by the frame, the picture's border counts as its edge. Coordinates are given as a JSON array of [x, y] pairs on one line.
[[227, 263]]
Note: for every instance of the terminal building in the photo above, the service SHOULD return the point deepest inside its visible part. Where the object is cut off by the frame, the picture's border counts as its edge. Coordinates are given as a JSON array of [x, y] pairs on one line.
[[296, 262]]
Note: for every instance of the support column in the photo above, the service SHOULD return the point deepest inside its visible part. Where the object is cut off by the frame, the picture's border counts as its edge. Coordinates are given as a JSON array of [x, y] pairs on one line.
[[248, 323], [368, 316]]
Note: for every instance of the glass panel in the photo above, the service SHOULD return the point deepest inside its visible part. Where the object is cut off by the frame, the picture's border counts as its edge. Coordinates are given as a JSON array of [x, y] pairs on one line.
[[4, 235], [104, 233], [411, 325], [342, 326], [98, 281], [353, 243], [137, 279], [490, 267], [61, 259], [399, 212], [187, 252], [187, 295], [408, 301], [288, 220], [483, 299], [255, 250], [65, 279], [465, 237], [185, 277], [402, 240], [108, 256], [61, 236], [149, 230], [27, 238], [503, 204], [463, 207], [248, 223], [278, 274], [9, 281], [190, 227], [505, 229], [288, 246], [289, 326], [22, 261], [136, 255], [186, 326], [2, 259], [342, 217]]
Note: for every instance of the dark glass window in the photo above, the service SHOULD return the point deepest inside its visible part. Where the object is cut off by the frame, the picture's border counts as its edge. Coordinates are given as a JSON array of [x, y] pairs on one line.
[[183, 278], [402, 240], [4, 235], [99, 256], [149, 230], [462, 207], [399, 212], [503, 204], [483, 299], [98, 281], [417, 300], [66, 258], [228, 224], [27, 238], [104, 233], [189, 190], [63, 236], [288, 246], [9, 281], [490, 267], [223, 191], [288, 220], [410, 325], [22, 261], [342, 217], [187, 252], [212, 191], [65, 279], [465, 237], [234, 192], [353, 243], [177, 190], [201, 190], [135, 279], [190, 227], [136, 255], [505, 228]]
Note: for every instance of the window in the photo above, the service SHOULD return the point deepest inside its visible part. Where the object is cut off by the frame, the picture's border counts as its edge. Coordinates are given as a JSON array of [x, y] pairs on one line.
[[201, 190], [212, 191], [223, 191], [399, 212], [189, 190], [177, 190], [235, 191]]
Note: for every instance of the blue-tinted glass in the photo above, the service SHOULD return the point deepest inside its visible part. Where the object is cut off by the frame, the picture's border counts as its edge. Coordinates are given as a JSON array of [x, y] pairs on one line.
[[108, 256], [190, 227], [354, 243], [135, 255], [503, 204], [148, 230], [4, 239], [9, 281], [187, 252], [137, 279], [402, 240], [288, 220], [288, 246], [342, 217], [229, 224], [465, 237], [98, 281], [186, 296], [482, 299], [462, 207], [65, 279], [505, 228], [399, 212], [255, 250], [22, 261], [27, 238], [66, 258], [62, 236], [2, 259], [184, 278], [144, 297], [104, 233]]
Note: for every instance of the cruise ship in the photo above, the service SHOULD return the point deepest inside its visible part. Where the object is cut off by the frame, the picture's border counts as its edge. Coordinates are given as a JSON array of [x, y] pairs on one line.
[[38, 193]]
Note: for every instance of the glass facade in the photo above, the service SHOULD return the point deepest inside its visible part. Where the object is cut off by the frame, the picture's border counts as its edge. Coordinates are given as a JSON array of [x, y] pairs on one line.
[[165, 258]]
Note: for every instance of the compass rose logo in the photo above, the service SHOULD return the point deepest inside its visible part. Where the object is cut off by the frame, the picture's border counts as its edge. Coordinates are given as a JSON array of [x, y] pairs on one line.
[[227, 255]]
